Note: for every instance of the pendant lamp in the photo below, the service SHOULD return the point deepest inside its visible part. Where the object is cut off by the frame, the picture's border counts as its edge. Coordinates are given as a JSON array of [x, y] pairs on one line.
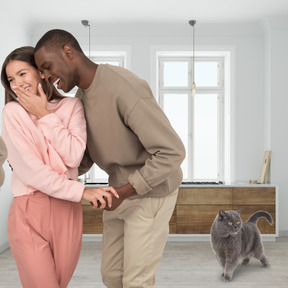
[[86, 24]]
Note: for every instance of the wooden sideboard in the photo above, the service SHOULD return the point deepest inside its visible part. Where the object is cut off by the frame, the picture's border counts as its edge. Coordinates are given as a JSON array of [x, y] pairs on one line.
[[197, 207]]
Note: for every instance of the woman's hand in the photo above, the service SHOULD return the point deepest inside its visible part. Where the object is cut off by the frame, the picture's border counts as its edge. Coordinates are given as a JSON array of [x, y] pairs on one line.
[[32, 103], [100, 196]]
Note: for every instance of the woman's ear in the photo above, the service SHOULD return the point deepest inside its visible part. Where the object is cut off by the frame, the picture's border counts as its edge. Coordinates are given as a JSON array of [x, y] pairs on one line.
[[42, 75]]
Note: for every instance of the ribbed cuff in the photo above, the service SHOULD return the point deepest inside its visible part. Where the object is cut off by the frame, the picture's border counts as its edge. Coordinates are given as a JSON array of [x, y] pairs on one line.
[[139, 184]]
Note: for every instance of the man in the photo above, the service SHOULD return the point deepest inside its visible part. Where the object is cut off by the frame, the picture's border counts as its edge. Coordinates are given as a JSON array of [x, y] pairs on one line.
[[131, 139]]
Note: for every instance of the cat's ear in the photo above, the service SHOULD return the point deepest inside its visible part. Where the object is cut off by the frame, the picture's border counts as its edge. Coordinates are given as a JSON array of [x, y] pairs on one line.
[[222, 214], [239, 211]]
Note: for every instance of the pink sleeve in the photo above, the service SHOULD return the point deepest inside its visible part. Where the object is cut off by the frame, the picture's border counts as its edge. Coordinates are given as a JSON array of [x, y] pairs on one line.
[[26, 161], [69, 142]]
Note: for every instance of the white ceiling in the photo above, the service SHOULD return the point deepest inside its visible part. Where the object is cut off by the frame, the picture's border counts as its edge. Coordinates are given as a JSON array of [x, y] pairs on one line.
[[146, 11]]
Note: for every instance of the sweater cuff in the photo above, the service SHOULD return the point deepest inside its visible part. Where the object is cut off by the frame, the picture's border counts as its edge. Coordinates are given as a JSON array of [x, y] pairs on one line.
[[139, 184], [78, 187]]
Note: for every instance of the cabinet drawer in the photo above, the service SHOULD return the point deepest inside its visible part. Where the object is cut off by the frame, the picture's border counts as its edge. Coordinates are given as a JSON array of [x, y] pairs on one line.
[[197, 219], [92, 219], [246, 196], [205, 196]]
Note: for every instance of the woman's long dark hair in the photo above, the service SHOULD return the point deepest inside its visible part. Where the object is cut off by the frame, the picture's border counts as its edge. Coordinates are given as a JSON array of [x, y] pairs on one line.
[[25, 54]]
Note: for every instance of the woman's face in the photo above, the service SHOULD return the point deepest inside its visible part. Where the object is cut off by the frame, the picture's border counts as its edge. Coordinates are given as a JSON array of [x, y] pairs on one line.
[[21, 74]]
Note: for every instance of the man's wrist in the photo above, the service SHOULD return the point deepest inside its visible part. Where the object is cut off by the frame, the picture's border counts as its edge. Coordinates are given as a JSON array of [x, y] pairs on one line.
[[126, 191]]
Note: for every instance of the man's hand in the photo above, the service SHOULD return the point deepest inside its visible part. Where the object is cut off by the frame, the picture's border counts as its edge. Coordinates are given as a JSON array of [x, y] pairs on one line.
[[124, 192]]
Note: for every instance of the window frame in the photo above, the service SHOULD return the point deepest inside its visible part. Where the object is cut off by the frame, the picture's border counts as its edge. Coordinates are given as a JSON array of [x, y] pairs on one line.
[[219, 90]]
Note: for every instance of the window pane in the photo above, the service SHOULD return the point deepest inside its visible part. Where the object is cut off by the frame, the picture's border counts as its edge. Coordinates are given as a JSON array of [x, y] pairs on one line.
[[115, 63], [205, 136], [176, 108], [206, 74], [175, 74], [98, 174]]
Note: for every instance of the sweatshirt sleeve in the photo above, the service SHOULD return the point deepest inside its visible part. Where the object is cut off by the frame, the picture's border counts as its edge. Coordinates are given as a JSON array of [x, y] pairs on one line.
[[27, 162], [69, 142], [150, 124]]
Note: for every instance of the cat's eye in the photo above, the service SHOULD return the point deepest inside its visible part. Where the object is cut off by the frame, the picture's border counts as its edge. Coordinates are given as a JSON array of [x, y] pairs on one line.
[[238, 223], [230, 223]]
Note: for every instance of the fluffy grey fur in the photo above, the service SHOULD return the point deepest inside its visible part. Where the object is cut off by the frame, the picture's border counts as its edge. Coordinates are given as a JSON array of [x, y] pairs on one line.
[[233, 240]]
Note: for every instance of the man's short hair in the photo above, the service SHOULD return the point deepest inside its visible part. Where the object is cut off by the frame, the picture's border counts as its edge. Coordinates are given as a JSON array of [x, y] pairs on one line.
[[56, 39]]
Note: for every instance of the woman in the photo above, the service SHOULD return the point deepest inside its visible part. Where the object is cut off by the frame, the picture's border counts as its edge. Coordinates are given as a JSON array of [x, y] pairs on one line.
[[45, 135]]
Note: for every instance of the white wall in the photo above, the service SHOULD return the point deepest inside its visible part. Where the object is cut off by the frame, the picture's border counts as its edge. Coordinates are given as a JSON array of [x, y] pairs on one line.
[[277, 98], [11, 37]]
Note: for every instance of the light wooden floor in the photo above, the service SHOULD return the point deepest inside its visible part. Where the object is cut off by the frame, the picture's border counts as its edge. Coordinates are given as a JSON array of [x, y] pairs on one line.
[[184, 264]]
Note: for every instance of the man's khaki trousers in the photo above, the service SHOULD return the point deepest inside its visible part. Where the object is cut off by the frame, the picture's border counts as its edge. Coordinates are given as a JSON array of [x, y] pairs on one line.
[[134, 238]]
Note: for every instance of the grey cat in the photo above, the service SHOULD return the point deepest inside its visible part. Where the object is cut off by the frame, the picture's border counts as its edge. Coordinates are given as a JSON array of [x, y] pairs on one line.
[[233, 240]]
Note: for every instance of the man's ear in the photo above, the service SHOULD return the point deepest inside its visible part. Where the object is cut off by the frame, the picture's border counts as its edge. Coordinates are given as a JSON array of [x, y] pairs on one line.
[[68, 51]]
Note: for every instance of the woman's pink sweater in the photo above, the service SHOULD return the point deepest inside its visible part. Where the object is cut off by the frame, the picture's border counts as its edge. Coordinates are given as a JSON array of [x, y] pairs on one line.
[[45, 153]]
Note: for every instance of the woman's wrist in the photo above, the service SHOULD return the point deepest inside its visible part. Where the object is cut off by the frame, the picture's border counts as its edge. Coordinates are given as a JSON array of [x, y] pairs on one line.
[[42, 114]]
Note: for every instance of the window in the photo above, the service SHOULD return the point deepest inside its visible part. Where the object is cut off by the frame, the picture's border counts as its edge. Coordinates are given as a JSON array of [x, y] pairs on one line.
[[198, 119]]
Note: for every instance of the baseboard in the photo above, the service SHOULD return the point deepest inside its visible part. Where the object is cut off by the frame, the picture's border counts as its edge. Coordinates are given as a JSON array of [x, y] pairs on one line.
[[4, 247], [180, 237], [92, 237], [188, 238], [206, 238], [171, 238]]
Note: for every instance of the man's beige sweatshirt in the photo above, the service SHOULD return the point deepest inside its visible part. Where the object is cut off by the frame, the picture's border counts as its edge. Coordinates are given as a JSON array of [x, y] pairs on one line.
[[128, 135]]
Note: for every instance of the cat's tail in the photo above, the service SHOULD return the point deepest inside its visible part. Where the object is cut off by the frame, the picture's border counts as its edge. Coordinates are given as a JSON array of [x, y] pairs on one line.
[[254, 218]]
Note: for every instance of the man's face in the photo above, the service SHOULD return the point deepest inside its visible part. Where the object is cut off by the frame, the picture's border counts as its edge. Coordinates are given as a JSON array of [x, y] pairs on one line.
[[56, 68]]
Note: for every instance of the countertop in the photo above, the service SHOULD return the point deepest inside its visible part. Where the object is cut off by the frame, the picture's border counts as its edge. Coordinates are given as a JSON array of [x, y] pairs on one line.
[[188, 185]]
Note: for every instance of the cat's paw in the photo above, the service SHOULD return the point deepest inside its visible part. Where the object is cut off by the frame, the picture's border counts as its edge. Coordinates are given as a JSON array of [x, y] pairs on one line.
[[245, 261], [265, 263], [226, 278]]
